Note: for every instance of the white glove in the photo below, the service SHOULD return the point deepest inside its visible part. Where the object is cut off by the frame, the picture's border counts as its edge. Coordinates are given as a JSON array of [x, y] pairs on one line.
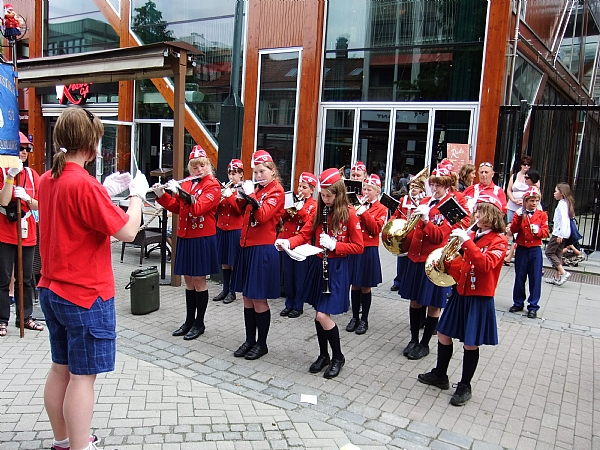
[[116, 183], [534, 228], [14, 171], [139, 185], [361, 209], [519, 212], [424, 211], [461, 234], [227, 193], [327, 242], [20, 193], [172, 186], [281, 244], [158, 190], [248, 187]]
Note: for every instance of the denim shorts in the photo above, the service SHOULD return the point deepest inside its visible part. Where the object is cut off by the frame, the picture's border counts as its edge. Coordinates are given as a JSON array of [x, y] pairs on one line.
[[83, 339]]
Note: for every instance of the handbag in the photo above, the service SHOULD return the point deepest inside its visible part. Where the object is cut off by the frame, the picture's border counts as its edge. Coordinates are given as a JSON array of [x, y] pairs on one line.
[[575, 234], [11, 211]]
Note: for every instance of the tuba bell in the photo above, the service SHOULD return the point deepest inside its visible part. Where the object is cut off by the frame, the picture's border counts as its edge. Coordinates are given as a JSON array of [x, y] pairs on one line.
[[395, 232], [434, 265]]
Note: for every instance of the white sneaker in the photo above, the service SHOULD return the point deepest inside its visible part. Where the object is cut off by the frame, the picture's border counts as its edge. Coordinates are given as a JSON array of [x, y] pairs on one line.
[[567, 275], [550, 280], [562, 280]]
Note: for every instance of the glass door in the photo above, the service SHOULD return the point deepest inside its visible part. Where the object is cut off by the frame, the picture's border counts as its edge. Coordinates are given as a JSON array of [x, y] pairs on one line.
[[154, 146], [373, 140], [337, 145], [108, 150]]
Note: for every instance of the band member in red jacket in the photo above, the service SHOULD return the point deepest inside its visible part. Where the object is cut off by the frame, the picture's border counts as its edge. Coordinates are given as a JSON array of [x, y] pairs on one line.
[[366, 267], [229, 229], [294, 272], [330, 282], [258, 264], [470, 315], [196, 251], [530, 225]]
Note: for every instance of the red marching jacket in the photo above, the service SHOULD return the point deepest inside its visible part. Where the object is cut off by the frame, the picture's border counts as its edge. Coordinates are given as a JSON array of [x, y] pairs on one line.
[[404, 209], [479, 266], [522, 226], [259, 226], [195, 219], [293, 224], [371, 223], [349, 237], [230, 216]]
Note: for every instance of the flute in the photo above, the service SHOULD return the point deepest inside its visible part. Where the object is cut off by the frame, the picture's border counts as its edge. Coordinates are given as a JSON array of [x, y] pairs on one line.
[[325, 261], [190, 178]]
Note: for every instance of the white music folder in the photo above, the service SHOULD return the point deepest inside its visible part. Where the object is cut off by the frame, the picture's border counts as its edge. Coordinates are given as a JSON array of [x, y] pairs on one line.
[[302, 252]]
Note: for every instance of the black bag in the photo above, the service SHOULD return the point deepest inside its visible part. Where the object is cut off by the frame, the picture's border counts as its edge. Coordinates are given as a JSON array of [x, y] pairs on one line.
[[11, 211], [575, 234]]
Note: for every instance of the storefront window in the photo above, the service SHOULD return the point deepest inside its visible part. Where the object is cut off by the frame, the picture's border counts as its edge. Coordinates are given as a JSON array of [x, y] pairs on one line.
[[526, 81], [569, 52], [339, 126], [395, 50]]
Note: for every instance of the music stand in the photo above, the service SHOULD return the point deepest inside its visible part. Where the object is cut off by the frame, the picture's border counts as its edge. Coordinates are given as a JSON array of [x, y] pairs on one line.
[[163, 173]]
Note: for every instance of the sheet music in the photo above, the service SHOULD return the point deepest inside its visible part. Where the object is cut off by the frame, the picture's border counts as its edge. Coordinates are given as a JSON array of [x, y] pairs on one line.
[[301, 252], [289, 200]]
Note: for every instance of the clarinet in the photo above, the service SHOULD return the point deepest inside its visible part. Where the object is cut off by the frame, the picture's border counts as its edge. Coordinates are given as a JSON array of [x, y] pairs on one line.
[[325, 261]]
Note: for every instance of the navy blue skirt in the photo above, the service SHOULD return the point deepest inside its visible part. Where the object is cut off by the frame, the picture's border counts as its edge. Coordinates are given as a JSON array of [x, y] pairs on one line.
[[366, 268], [228, 242], [338, 302], [196, 257], [400, 269], [257, 272], [472, 320], [416, 286]]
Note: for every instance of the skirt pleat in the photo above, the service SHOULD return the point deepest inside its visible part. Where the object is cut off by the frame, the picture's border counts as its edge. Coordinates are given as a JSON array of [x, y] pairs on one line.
[[196, 257], [228, 243], [366, 268], [416, 286], [257, 272]]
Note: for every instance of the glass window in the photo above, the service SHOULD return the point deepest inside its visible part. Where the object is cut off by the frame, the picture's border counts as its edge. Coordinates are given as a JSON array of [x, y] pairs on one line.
[[590, 51], [339, 126], [569, 52], [373, 140], [451, 127], [410, 144], [526, 81], [276, 131]]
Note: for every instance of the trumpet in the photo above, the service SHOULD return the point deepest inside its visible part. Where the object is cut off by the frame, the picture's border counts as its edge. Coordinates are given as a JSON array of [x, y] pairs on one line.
[[434, 265], [293, 210]]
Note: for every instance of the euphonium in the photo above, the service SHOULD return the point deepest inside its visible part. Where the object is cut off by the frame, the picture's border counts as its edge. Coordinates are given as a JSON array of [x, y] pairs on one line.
[[395, 231], [293, 210]]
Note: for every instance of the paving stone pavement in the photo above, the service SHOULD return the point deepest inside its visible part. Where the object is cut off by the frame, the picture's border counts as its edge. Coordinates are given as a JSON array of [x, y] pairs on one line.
[[538, 389]]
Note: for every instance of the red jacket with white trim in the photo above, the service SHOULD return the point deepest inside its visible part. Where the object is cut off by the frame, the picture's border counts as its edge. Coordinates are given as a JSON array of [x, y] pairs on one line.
[[259, 227], [522, 226]]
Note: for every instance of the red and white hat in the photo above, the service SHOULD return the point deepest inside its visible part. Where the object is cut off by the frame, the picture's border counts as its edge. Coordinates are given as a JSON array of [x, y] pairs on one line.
[[441, 171], [373, 180], [329, 176], [235, 164], [260, 157], [447, 164], [307, 177], [24, 140], [197, 152], [490, 198], [359, 165], [531, 192]]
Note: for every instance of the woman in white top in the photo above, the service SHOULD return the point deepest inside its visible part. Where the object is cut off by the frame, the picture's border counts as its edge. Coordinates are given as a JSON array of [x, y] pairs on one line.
[[561, 231]]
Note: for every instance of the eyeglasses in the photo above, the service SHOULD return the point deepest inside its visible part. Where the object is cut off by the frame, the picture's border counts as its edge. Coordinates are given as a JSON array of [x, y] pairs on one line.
[[526, 165], [527, 178], [486, 164], [89, 114]]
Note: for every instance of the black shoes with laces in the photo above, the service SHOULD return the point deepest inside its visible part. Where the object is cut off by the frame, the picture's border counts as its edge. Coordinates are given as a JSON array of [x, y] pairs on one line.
[[462, 395], [334, 368], [432, 379], [321, 362], [352, 325]]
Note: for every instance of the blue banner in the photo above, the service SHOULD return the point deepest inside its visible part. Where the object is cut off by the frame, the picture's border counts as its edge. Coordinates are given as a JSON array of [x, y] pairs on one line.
[[9, 112]]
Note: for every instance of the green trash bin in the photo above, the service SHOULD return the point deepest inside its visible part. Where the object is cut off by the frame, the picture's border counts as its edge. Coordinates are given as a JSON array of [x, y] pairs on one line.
[[143, 285]]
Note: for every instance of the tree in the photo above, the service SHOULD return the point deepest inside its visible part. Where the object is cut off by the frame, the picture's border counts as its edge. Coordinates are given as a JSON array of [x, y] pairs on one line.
[[149, 26]]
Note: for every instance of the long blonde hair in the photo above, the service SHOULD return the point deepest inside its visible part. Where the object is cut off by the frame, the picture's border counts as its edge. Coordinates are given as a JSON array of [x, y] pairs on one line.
[[340, 213], [76, 130]]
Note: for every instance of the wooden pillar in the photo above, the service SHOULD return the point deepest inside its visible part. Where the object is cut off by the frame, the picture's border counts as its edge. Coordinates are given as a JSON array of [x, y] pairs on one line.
[[126, 89], [36, 123]]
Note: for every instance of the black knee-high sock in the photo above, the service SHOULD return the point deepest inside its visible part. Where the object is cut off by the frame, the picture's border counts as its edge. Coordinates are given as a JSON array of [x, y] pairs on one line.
[[226, 279], [333, 336], [470, 361], [231, 288], [263, 322], [250, 322], [430, 325], [443, 359], [190, 307], [322, 338], [365, 300], [355, 299], [201, 304], [414, 315]]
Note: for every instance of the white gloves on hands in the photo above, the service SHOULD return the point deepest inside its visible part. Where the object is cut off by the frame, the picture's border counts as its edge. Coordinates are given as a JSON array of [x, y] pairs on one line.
[[361, 209], [20, 193], [14, 171], [248, 187], [158, 190], [116, 183], [139, 185], [461, 234], [327, 242], [424, 211], [519, 212], [281, 244], [226, 193], [172, 186]]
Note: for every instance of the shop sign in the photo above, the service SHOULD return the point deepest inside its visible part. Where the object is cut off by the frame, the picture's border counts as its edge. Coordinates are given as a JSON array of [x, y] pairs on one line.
[[76, 94]]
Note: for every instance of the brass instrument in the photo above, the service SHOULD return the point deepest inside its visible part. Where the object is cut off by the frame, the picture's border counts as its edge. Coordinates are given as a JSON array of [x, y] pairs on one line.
[[226, 186], [434, 265], [395, 231], [293, 210]]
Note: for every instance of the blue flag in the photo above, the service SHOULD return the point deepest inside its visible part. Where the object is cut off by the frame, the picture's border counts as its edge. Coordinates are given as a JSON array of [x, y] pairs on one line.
[[9, 115]]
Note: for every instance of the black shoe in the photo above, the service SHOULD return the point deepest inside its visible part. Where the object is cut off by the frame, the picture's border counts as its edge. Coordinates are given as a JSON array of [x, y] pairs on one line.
[[352, 325], [229, 298], [256, 352], [285, 312], [334, 368], [194, 332], [220, 296], [433, 380], [295, 313], [182, 330], [394, 288], [531, 314], [362, 327], [515, 309], [411, 345], [462, 395], [420, 351], [244, 348], [319, 364]]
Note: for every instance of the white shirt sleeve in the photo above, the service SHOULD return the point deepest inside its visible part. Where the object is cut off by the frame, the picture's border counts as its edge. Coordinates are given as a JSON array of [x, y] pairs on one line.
[[562, 222]]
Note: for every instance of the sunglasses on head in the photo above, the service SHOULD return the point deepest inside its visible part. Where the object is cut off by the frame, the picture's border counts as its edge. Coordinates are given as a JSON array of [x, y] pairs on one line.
[[89, 114], [486, 164]]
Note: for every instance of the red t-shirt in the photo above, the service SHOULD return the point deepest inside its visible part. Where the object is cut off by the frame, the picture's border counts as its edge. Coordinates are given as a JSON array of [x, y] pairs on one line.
[[8, 230], [77, 219]]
